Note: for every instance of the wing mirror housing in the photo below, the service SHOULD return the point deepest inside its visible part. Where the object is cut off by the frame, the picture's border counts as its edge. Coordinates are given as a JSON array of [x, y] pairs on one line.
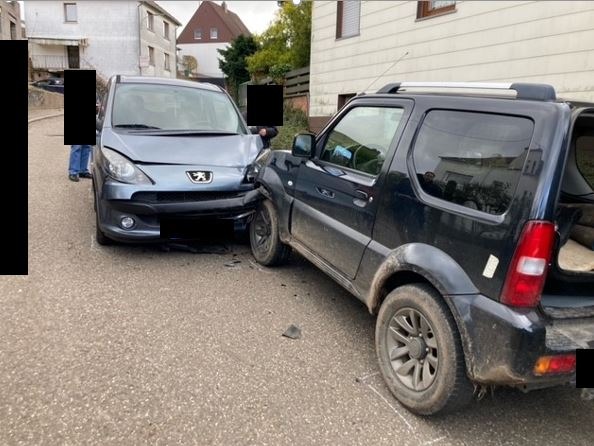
[[303, 145]]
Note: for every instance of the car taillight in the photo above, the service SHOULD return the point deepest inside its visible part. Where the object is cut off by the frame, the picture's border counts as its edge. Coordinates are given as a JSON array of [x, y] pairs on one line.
[[528, 269], [551, 365]]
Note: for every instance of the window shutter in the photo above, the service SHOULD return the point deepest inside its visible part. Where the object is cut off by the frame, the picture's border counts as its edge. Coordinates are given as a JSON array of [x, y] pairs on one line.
[[351, 14]]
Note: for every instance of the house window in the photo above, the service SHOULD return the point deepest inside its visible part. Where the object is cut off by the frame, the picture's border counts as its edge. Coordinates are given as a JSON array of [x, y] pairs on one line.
[[348, 15], [198, 34], [166, 65], [150, 22], [13, 34], [343, 99], [151, 56], [214, 33], [434, 7], [166, 30], [70, 12]]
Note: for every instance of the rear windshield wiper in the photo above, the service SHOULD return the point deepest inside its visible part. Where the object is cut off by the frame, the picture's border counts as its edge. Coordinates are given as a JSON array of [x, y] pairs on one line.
[[136, 126]]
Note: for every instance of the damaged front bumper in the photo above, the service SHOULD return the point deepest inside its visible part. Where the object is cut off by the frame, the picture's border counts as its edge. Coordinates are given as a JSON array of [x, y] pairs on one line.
[[148, 216]]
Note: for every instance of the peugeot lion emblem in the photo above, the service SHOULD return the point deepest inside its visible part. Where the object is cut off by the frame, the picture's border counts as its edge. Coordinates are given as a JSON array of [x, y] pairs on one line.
[[199, 176]]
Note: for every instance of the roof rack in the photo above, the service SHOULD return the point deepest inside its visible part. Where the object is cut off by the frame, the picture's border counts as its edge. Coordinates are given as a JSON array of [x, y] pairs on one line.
[[535, 92]]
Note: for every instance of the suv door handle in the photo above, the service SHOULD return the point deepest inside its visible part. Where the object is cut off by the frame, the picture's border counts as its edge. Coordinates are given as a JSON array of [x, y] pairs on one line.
[[325, 192], [361, 195]]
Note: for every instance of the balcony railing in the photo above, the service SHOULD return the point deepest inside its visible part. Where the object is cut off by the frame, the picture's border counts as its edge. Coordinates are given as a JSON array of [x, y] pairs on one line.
[[50, 62]]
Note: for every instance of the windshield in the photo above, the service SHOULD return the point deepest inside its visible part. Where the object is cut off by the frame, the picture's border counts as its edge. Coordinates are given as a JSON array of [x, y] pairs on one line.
[[169, 107]]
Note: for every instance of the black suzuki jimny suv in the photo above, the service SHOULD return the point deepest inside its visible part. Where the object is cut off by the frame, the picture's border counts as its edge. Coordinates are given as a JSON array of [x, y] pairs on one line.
[[461, 219]]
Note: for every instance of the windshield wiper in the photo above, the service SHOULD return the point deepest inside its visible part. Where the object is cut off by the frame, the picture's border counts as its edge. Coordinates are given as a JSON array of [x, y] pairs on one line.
[[136, 126]]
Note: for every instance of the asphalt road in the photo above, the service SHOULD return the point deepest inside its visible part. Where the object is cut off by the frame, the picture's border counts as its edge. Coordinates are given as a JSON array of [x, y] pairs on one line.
[[136, 345]]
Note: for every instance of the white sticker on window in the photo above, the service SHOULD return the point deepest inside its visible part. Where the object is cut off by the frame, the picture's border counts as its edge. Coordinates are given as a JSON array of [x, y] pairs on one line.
[[491, 266]]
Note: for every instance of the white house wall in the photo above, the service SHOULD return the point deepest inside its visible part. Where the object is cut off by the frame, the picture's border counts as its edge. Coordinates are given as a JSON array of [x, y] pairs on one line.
[[110, 26], [546, 42], [206, 55], [161, 45]]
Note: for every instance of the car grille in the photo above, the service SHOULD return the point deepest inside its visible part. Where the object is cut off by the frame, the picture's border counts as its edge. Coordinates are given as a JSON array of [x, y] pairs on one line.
[[181, 197]]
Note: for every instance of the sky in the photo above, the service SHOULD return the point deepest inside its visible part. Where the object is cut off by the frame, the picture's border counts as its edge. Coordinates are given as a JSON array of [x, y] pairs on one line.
[[256, 15]]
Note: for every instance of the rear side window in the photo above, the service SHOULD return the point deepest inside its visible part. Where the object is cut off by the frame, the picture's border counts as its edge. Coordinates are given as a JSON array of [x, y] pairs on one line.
[[474, 159]]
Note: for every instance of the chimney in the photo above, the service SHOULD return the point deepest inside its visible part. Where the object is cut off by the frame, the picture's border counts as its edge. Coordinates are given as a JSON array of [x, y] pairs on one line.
[[224, 5]]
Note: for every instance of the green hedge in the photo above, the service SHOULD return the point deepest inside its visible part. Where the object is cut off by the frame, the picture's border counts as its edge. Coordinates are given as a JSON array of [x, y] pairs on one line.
[[294, 121]]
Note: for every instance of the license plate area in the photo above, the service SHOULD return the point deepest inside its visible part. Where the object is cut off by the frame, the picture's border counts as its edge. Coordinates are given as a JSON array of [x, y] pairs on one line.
[[199, 229]]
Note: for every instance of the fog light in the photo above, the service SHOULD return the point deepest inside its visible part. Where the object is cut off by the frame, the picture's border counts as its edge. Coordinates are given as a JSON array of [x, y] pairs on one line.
[[127, 222]]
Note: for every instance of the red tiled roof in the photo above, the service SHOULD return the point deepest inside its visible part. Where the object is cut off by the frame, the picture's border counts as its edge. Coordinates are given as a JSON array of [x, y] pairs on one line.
[[232, 20], [208, 15]]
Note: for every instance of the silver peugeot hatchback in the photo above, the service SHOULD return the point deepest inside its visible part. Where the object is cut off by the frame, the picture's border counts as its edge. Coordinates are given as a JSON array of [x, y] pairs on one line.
[[169, 152]]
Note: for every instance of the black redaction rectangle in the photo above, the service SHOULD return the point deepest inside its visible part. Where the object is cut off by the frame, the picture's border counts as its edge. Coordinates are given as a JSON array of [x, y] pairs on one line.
[[585, 368], [13, 180], [79, 107]]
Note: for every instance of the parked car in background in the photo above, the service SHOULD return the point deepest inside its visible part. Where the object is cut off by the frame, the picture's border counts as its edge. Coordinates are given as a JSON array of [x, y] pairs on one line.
[[461, 220], [169, 152], [53, 84]]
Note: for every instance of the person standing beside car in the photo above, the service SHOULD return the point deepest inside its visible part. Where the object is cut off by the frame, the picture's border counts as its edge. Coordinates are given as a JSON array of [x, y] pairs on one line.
[[78, 166], [266, 133]]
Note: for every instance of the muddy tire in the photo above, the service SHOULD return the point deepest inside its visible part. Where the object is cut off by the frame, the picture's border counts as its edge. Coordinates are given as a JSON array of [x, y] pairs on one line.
[[419, 351], [266, 246]]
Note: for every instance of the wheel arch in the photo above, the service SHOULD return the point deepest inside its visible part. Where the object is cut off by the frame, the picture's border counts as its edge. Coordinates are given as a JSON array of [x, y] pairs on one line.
[[271, 186], [420, 263]]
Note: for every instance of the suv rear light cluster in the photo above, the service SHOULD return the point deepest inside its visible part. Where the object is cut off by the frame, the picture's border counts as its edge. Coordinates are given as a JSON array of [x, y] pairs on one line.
[[552, 365], [526, 276]]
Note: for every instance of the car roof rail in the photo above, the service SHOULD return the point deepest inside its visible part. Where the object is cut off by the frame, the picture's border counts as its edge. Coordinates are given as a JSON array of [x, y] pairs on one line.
[[534, 92]]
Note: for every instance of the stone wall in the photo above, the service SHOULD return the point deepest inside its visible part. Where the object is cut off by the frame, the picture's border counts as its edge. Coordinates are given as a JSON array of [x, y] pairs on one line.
[[39, 99]]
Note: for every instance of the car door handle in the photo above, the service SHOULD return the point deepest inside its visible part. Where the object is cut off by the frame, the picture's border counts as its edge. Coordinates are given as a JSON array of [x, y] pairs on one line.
[[361, 198], [325, 192], [361, 195]]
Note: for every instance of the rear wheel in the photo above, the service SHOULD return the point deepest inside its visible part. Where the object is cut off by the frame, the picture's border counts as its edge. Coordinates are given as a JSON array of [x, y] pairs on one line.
[[266, 245], [419, 351]]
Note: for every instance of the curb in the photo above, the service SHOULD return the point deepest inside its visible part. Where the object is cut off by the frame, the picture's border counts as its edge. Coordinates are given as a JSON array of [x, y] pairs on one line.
[[39, 118]]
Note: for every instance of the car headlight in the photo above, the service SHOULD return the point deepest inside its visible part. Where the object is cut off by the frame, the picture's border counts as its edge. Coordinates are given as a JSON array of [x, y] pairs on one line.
[[252, 172], [122, 169]]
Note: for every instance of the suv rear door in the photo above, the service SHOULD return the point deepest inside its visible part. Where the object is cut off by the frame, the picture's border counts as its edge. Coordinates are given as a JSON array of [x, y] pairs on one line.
[[336, 190]]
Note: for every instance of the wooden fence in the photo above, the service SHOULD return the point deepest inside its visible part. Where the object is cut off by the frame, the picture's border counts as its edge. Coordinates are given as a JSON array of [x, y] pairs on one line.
[[296, 88]]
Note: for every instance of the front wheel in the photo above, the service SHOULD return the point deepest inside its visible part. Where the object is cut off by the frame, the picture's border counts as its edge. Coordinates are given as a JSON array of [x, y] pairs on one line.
[[419, 351], [266, 245]]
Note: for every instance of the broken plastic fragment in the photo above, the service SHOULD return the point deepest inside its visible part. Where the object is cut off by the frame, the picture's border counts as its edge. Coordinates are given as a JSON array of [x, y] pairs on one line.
[[293, 332]]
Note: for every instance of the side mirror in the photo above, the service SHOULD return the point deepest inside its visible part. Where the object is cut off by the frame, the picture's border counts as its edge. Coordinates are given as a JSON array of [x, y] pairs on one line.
[[303, 145]]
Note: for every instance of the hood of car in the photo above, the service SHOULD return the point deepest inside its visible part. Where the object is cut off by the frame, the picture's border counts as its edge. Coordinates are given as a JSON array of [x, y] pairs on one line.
[[205, 150]]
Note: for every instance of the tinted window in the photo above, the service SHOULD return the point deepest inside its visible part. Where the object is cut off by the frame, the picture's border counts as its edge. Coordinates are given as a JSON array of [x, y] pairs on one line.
[[362, 138], [473, 159], [585, 158]]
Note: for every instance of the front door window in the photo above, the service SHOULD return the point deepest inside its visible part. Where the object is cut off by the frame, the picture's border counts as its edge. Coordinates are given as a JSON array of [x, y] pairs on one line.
[[362, 138]]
